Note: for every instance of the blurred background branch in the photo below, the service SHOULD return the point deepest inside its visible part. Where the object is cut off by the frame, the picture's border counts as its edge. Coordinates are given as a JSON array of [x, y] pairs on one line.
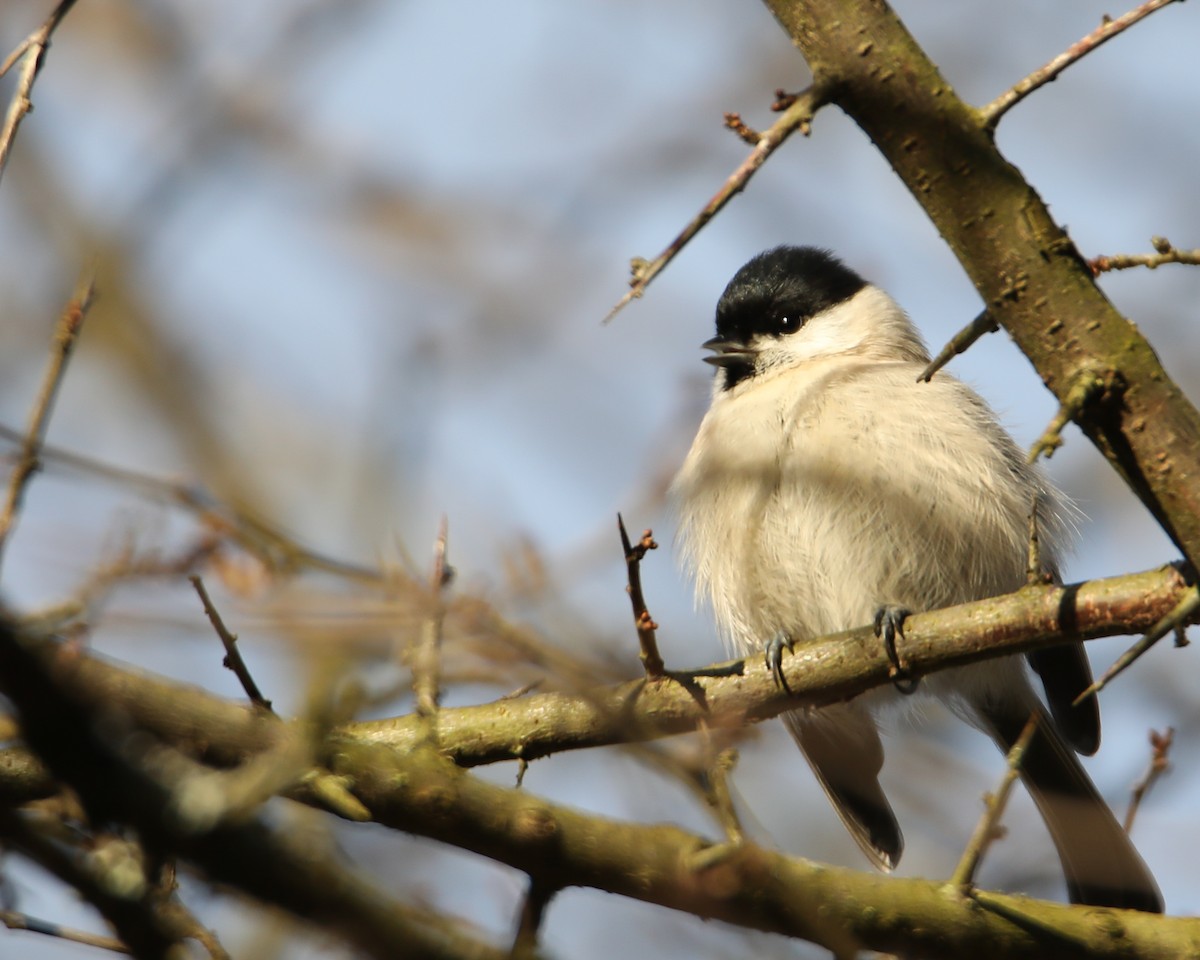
[[350, 260]]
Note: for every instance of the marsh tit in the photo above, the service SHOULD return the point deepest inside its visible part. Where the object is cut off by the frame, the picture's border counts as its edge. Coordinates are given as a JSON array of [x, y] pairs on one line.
[[827, 487]]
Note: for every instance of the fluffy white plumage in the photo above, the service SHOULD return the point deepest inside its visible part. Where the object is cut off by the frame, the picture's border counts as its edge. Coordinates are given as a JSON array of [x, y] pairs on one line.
[[826, 483], [831, 482]]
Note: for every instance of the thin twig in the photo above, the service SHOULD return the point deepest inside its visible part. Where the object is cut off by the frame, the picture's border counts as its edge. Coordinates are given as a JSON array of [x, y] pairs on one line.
[[959, 343], [1035, 573], [746, 133], [1089, 384], [988, 829], [1180, 616], [66, 333], [716, 787], [992, 113], [797, 116], [276, 549], [233, 657], [33, 49], [1160, 748], [1164, 253], [144, 924], [652, 661], [22, 921], [425, 664], [533, 911]]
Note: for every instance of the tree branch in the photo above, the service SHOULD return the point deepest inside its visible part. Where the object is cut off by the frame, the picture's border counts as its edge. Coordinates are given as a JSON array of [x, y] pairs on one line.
[[1164, 253], [796, 116], [33, 50], [741, 884], [66, 333], [131, 780], [827, 670], [421, 791], [1043, 75], [1031, 277]]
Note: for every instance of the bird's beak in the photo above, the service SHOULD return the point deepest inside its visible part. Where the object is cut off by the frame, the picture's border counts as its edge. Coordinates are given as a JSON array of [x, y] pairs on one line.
[[727, 353]]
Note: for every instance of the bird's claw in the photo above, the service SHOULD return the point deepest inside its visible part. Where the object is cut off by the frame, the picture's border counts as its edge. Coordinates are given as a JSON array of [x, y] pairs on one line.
[[889, 622], [774, 657]]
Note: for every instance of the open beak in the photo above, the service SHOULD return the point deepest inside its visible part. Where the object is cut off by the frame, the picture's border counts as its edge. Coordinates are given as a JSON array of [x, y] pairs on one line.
[[727, 353]]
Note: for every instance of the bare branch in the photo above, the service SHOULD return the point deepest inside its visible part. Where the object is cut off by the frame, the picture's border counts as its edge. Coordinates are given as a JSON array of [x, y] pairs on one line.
[[1164, 253], [1160, 746], [717, 793], [22, 921], [739, 883], [988, 828], [123, 779], [233, 657], [982, 324], [65, 335], [745, 133], [533, 911], [144, 926], [1178, 616], [832, 669], [729, 694], [425, 652], [1089, 385], [992, 113], [419, 792], [797, 116], [652, 661], [275, 548], [33, 50]]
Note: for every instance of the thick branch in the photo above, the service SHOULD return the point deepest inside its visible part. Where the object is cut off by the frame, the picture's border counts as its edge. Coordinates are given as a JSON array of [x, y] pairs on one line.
[[424, 793], [421, 791], [741, 884], [1032, 279], [826, 670], [127, 779]]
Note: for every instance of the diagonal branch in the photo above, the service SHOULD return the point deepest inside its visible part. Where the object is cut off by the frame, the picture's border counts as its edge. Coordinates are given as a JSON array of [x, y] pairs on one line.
[[1032, 279], [741, 883], [131, 780], [797, 116], [827, 670], [992, 113], [33, 51], [66, 333]]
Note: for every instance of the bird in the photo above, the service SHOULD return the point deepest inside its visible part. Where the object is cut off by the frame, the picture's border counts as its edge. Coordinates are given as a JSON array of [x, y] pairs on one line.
[[828, 488]]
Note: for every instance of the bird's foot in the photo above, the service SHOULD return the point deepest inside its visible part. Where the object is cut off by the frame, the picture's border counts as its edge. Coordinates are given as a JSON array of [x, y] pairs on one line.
[[889, 623], [774, 657]]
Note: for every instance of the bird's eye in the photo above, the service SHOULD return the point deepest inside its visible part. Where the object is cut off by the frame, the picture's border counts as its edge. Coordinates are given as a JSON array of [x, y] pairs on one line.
[[788, 324]]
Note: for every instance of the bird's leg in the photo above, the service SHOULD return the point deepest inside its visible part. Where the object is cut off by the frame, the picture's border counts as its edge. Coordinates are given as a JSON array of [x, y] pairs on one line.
[[774, 657], [889, 622]]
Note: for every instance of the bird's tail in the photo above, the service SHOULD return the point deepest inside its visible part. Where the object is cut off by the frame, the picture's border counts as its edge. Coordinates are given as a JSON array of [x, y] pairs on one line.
[[1101, 865]]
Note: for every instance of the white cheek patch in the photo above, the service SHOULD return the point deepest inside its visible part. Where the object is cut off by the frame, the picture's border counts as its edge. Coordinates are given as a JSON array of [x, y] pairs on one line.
[[824, 335], [869, 314]]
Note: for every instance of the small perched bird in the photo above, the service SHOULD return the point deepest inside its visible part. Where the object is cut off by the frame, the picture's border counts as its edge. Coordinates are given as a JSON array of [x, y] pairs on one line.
[[827, 488]]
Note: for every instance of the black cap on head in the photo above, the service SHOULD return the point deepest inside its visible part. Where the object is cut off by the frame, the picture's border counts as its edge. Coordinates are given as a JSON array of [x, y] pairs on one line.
[[778, 291]]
